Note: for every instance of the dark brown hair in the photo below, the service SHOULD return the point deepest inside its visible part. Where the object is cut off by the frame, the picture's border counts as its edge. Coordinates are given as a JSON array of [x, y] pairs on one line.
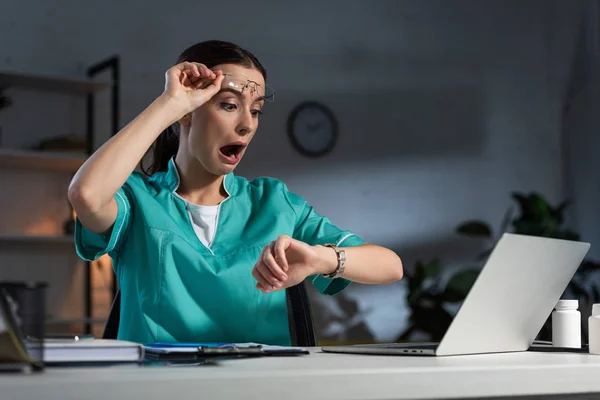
[[209, 53]]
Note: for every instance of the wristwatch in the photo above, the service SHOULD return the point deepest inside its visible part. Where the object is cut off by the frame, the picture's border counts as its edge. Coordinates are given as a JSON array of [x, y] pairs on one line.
[[341, 258]]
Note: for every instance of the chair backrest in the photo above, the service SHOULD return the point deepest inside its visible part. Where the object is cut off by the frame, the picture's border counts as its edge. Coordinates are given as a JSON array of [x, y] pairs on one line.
[[300, 323], [111, 329]]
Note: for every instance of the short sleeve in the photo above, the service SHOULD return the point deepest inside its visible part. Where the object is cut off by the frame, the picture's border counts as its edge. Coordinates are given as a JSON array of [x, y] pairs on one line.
[[315, 229], [90, 245]]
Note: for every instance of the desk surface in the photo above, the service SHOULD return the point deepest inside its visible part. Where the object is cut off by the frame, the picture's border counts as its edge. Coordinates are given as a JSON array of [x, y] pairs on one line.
[[321, 375]]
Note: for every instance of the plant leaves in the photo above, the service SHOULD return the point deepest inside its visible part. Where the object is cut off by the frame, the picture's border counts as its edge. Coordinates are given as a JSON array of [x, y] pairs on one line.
[[434, 321], [558, 212], [588, 266], [538, 218], [528, 227], [451, 296], [419, 274], [475, 228], [525, 205], [566, 235], [540, 206], [413, 297], [432, 269], [459, 285]]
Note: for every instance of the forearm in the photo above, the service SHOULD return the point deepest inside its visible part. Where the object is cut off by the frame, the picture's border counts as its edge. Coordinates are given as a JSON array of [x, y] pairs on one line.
[[368, 264], [101, 176]]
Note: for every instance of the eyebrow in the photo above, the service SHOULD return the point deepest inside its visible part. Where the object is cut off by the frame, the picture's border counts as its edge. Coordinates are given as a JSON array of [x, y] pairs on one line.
[[239, 94]]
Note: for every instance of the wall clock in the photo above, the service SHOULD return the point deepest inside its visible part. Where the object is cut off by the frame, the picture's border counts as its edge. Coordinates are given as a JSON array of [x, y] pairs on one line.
[[312, 129]]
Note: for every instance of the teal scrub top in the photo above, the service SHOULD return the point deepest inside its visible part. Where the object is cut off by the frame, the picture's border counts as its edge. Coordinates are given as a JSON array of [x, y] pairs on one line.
[[175, 289]]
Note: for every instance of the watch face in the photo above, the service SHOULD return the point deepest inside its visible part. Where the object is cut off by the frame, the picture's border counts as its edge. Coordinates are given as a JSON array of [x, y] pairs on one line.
[[312, 128]]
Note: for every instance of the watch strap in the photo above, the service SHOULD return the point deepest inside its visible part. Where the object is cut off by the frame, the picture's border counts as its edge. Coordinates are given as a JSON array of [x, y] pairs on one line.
[[341, 262]]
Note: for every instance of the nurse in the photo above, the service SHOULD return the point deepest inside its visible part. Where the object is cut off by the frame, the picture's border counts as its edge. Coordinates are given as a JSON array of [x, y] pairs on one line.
[[201, 254]]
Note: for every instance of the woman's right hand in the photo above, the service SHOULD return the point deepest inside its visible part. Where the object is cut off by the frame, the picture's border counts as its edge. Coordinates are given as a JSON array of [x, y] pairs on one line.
[[191, 85]]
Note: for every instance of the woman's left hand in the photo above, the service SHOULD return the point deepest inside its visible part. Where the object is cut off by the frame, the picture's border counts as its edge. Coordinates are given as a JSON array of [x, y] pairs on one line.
[[286, 262]]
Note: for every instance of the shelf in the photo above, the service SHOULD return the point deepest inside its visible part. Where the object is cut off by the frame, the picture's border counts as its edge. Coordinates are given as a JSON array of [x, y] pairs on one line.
[[51, 83], [102, 77], [41, 160], [36, 239], [59, 321]]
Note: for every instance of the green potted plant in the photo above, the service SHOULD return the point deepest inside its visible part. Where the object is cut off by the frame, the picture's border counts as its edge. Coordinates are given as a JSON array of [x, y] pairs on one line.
[[429, 299]]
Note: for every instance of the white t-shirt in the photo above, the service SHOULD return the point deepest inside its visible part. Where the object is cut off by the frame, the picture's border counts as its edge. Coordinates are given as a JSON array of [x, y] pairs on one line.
[[204, 221]]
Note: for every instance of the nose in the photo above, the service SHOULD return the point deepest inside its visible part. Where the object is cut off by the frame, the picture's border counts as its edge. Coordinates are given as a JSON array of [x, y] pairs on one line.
[[245, 124]]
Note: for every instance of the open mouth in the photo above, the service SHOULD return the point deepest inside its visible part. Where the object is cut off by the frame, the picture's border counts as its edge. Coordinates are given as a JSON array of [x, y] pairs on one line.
[[231, 152]]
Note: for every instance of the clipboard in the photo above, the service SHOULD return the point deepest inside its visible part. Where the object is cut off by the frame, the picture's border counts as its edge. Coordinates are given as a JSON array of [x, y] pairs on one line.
[[202, 351]]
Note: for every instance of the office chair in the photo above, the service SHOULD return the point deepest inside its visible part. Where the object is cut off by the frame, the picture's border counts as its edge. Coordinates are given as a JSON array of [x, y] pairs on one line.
[[299, 317]]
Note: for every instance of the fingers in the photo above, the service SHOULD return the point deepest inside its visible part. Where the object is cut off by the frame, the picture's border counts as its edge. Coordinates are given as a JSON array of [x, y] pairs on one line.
[[197, 76], [192, 72], [262, 288], [281, 244], [271, 267], [192, 69], [265, 277], [267, 272], [196, 70], [189, 73], [204, 71], [215, 85], [262, 283], [274, 266]]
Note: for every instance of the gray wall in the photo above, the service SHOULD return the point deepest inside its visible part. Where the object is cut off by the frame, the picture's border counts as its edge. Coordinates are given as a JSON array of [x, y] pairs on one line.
[[444, 107], [581, 122]]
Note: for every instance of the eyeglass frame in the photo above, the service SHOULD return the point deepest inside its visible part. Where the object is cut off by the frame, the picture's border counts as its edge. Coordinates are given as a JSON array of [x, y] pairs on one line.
[[270, 98]]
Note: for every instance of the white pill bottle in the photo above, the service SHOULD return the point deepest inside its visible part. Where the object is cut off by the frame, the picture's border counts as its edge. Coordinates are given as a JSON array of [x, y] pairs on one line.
[[566, 324], [594, 330]]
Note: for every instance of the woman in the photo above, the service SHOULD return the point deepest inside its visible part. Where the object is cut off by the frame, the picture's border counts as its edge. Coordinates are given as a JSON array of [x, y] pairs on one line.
[[201, 254]]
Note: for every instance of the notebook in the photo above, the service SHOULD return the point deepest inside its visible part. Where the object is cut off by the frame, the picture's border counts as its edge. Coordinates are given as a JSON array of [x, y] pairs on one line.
[[18, 348], [91, 351]]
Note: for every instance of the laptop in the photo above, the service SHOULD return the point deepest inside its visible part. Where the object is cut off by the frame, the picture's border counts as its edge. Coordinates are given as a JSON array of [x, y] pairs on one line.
[[510, 301]]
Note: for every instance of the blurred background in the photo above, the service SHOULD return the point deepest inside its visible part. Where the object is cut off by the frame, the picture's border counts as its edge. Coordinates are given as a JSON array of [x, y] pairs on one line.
[[457, 120]]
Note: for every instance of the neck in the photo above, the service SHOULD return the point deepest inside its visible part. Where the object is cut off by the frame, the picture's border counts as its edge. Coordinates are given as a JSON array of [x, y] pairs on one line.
[[196, 184]]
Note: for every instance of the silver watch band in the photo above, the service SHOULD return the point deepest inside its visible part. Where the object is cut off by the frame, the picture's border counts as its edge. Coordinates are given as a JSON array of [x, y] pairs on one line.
[[341, 259]]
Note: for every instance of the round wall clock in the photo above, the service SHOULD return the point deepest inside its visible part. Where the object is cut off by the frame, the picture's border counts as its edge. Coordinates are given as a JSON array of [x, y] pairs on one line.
[[312, 129]]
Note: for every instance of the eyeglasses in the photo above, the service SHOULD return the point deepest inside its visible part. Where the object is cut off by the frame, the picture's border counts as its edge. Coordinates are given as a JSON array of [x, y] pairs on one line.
[[242, 83]]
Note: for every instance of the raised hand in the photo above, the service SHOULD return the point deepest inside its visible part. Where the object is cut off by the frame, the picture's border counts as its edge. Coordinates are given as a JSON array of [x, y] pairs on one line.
[[191, 85]]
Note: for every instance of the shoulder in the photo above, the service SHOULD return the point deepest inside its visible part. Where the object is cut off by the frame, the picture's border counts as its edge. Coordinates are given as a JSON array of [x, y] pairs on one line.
[[262, 188], [262, 185], [138, 179], [139, 183], [270, 190]]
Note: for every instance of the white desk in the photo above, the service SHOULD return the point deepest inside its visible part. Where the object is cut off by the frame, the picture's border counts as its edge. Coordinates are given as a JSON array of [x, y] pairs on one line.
[[323, 376]]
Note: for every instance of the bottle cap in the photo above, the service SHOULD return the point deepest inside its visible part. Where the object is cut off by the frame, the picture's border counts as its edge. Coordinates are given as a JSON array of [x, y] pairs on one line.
[[596, 309], [567, 304]]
